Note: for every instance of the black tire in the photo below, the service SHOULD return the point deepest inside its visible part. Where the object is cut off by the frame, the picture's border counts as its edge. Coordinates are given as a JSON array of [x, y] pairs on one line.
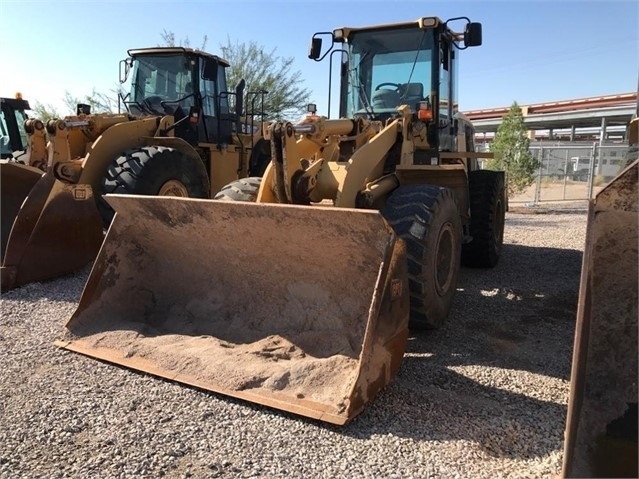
[[244, 189], [487, 218], [154, 171], [260, 157], [427, 219]]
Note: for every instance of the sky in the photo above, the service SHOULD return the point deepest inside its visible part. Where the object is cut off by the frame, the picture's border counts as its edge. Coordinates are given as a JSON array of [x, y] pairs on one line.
[[533, 51]]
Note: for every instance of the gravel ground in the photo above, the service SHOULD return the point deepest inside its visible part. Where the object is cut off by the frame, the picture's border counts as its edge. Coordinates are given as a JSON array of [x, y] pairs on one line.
[[485, 396]]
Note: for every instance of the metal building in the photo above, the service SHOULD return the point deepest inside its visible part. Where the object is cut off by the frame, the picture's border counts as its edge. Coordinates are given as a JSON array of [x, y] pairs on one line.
[[600, 118]]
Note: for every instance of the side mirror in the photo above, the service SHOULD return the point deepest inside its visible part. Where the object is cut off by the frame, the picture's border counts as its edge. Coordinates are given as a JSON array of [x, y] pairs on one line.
[[239, 97], [124, 73], [316, 48], [472, 34]]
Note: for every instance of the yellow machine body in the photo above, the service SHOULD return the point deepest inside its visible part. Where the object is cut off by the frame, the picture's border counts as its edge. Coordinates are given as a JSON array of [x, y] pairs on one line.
[[296, 291]]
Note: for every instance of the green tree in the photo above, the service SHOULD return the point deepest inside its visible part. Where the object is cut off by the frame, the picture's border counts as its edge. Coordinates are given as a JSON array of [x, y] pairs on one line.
[[262, 71], [44, 112], [99, 102], [512, 154], [168, 40], [265, 71]]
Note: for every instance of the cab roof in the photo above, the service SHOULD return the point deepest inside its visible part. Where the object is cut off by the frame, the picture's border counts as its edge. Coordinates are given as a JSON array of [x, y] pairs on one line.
[[341, 34], [176, 51]]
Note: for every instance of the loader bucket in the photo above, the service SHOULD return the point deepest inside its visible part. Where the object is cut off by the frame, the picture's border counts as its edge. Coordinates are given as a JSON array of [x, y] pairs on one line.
[[303, 309], [601, 426], [16, 181], [49, 228]]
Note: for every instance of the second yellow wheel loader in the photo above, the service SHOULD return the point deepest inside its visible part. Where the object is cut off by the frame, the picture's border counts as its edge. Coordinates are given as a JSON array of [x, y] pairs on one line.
[[178, 137], [297, 292]]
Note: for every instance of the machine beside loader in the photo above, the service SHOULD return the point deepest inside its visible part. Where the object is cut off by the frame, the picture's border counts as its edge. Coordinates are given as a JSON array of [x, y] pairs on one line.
[[601, 426], [13, 137], [601, 434], [299, 292], [178, 137]]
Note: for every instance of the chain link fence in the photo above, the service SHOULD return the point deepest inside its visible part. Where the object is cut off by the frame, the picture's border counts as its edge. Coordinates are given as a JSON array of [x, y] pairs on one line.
[[570, 172]]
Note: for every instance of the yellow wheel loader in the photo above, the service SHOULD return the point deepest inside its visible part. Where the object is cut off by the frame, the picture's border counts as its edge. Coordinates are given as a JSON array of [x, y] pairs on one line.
[[299, 291], [178, 137]]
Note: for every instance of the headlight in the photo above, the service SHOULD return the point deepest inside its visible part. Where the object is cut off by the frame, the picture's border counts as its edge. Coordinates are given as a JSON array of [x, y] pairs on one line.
[[428, 22]]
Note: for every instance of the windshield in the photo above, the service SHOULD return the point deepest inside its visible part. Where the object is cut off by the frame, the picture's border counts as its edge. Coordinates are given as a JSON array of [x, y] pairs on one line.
[[159, 81], [5, 139], [387, 69], [21, 116], [14, 118]]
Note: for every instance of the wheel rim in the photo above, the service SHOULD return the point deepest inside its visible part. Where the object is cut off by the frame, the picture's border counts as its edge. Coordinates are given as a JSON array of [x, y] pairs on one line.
[[444, 267], [174, 188]]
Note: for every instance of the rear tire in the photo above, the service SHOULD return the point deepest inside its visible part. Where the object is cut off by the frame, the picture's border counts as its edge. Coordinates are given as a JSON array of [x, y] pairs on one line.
[[487, 218], [427, 219], [244, 189], [154, 171], [260, 157]]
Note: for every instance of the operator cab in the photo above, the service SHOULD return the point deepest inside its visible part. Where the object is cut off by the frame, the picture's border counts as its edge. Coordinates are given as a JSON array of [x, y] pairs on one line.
[[411, 64], [181, 81], [13, 137], [385, 69]]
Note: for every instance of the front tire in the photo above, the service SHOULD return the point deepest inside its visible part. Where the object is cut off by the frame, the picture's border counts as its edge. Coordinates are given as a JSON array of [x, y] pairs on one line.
[[427, 219], [244, 189], [154, 171]]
